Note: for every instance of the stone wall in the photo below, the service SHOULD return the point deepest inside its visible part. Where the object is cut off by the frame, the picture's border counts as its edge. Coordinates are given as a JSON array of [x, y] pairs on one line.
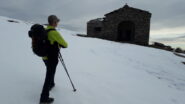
[[94, 28], [109, 25]]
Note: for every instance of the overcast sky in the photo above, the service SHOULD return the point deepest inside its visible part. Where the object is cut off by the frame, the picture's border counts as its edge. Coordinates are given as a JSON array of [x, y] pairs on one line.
[[168, 16]]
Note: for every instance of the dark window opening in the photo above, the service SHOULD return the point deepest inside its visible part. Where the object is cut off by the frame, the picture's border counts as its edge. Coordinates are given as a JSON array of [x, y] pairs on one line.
[[97, 29]]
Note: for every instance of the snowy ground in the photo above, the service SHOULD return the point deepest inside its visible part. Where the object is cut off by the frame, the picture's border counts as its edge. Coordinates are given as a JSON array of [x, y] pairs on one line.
[[103, 72]]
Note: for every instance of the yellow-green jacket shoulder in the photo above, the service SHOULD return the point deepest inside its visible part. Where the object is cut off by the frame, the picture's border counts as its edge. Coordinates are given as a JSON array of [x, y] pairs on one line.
[[54, 36]]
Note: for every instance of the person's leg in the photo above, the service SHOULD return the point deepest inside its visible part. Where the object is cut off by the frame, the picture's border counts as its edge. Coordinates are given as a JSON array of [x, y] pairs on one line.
[[48, 81], [53, 56], [54, 66]]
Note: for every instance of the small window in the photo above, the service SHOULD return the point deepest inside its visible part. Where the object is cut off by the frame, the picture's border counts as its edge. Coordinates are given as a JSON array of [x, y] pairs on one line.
[[97, 29]]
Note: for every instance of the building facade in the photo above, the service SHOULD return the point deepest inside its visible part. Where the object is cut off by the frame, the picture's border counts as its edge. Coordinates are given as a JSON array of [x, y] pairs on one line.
[[126, 24]]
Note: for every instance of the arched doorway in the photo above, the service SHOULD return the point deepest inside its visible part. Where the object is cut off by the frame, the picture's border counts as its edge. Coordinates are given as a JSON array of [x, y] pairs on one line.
[[126, 31]]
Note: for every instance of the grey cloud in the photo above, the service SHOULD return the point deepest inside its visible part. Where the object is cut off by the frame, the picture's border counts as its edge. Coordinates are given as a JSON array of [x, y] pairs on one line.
[[178, 38], [75, 14]]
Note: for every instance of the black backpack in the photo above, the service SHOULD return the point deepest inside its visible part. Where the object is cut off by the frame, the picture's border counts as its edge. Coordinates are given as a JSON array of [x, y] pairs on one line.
[[40, 42]]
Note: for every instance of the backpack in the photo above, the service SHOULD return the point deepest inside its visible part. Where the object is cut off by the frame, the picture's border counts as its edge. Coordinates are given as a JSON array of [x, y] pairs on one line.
[[40, 42]]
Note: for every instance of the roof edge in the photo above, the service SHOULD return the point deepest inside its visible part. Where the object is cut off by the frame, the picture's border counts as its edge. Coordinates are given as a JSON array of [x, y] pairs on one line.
[[127, 7]]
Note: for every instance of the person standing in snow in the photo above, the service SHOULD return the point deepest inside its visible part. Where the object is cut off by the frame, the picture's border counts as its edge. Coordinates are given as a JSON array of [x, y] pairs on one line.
[[51, 61]]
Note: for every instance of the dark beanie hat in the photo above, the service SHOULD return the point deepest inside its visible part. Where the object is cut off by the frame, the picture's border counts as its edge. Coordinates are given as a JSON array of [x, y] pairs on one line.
[[52, 19]]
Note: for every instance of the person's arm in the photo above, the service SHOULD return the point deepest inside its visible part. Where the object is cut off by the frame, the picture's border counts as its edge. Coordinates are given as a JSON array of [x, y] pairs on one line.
[[59, 39]]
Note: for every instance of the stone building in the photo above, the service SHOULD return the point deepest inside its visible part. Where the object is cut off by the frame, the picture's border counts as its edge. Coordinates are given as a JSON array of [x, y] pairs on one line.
[[126, 24]]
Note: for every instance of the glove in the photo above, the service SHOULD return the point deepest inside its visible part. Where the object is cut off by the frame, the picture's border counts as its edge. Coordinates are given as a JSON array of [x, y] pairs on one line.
[[61, 46]]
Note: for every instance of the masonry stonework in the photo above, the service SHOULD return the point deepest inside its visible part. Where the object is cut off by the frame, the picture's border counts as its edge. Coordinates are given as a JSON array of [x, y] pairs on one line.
[[126, 24]]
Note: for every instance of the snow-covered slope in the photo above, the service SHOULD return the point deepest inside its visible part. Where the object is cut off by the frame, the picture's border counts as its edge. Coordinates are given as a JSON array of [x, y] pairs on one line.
[[103, 72]]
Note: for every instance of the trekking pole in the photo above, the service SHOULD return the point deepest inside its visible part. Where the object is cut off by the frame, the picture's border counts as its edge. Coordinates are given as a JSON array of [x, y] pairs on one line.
[[62, 61]]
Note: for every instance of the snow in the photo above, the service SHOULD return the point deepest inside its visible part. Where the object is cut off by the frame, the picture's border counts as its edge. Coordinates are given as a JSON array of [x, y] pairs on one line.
[[103, 72]]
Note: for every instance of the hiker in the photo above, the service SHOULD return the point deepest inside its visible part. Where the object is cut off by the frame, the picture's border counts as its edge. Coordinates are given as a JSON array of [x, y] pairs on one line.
[[51, 60]]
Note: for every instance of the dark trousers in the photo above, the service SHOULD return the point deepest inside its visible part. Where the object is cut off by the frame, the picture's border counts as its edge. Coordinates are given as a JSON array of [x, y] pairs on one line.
[[51, 65]]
